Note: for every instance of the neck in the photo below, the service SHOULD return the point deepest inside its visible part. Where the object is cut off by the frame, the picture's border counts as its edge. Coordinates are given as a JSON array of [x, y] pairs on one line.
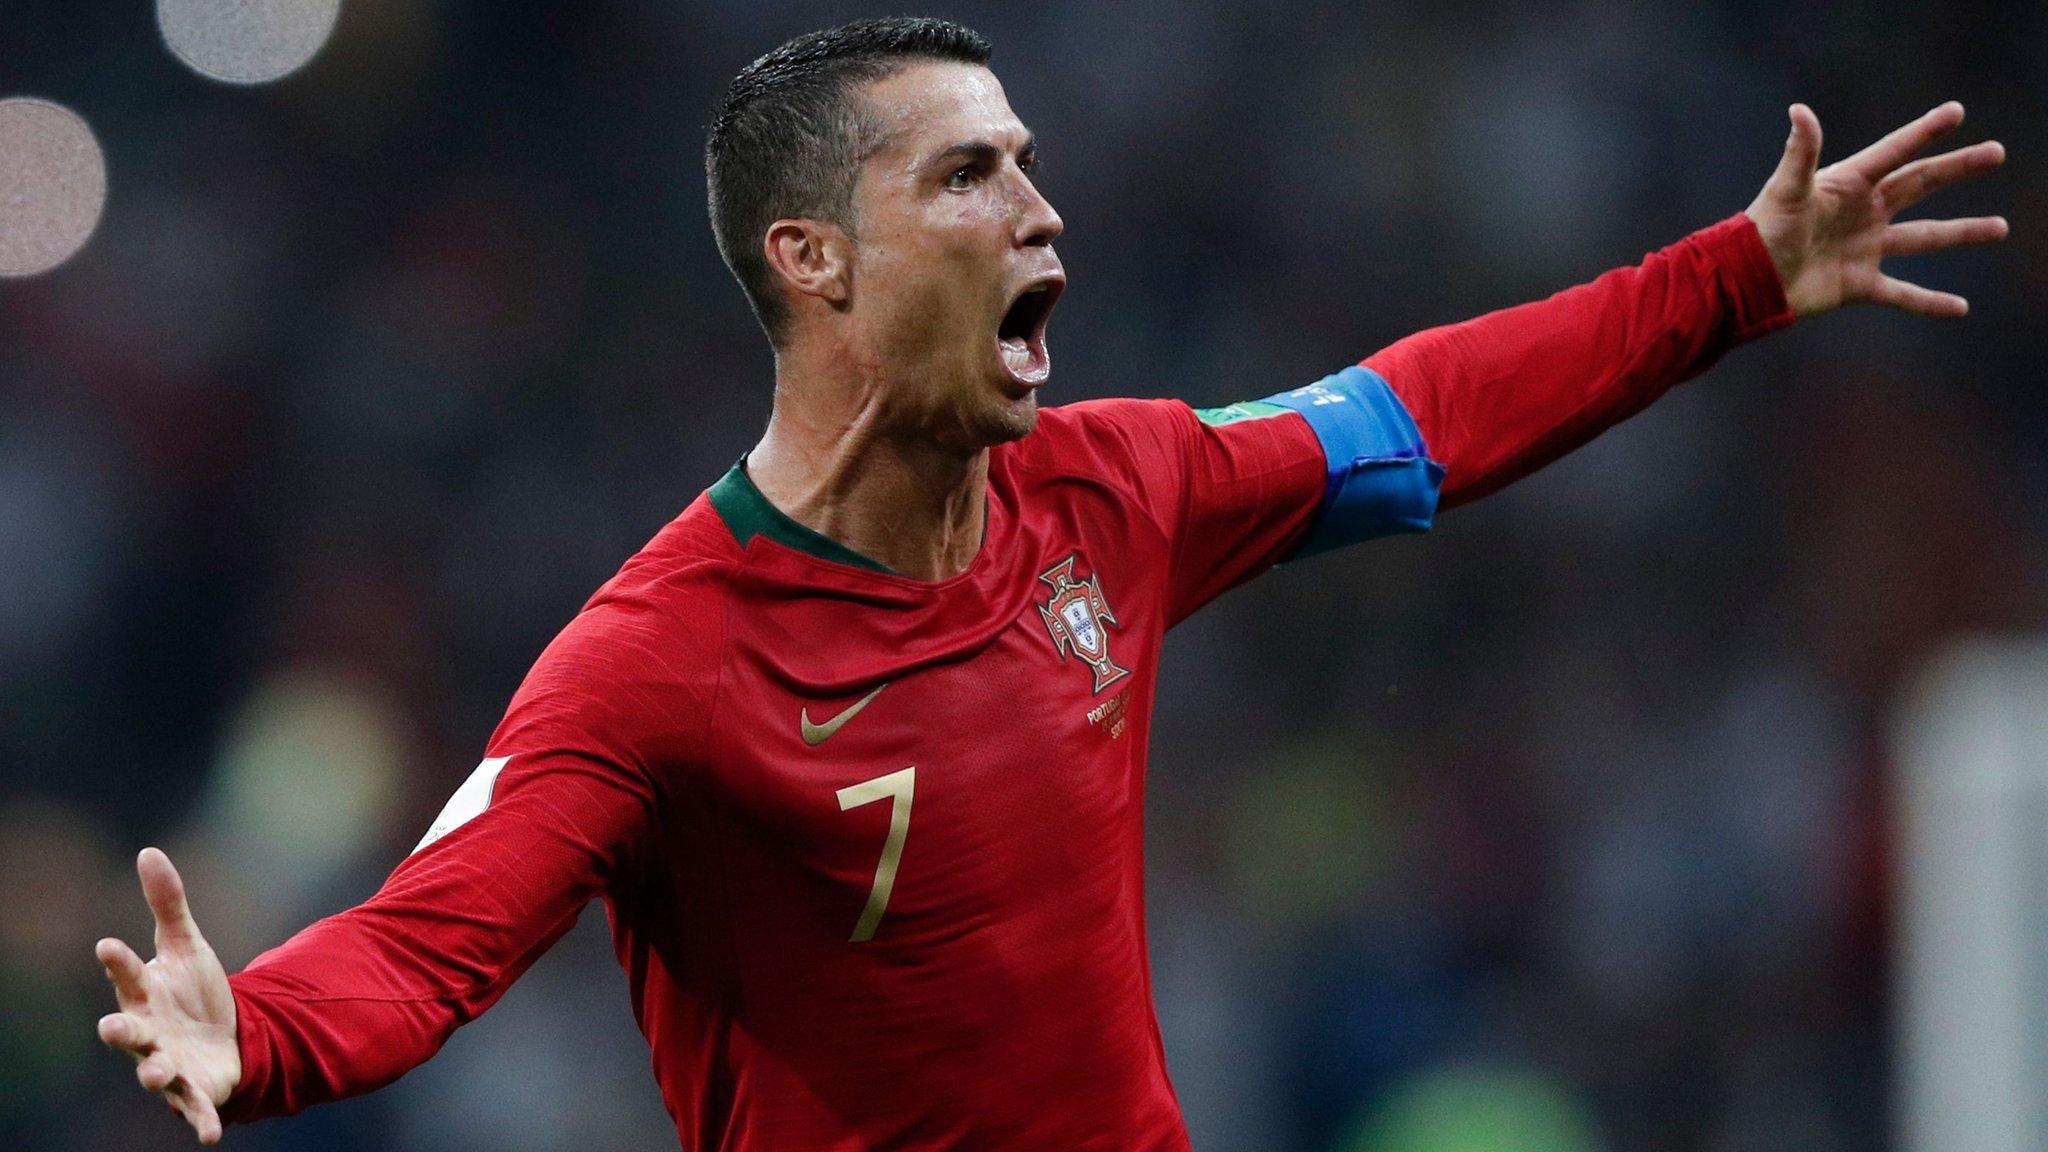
[[828, 462]]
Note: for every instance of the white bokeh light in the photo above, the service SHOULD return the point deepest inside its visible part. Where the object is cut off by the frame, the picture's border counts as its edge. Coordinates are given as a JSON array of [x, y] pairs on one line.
[[53, 185], [246, 41]]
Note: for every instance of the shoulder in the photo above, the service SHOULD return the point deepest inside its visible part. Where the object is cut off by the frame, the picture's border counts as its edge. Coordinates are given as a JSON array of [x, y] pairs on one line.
[[635, 672], [1109, 454], [1125, 438]]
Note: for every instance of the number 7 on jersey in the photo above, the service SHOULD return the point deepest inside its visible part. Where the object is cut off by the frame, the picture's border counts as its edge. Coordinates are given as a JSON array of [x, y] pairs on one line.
[[896, 786]]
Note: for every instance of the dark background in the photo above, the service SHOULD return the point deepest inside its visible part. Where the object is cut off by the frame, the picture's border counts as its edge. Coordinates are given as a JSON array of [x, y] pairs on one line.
[[1564, 828]]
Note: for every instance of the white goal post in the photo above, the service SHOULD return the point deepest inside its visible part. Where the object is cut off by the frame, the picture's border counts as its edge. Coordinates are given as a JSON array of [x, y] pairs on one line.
[[1971, 748]]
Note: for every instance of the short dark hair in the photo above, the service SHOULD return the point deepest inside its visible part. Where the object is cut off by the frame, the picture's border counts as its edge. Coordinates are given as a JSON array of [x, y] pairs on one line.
[[791, 134]]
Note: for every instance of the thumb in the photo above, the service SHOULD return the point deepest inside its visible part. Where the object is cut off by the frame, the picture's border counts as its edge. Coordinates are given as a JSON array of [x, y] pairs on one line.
[[1794, 176], [165, 891]]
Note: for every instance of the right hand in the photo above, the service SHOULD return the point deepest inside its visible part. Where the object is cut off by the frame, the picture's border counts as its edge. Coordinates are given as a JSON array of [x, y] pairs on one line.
[[177, 1014]]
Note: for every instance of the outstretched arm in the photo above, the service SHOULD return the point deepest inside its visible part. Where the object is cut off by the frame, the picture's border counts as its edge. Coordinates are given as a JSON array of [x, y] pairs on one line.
[[1500, 396], [356, 1000], [562, 810], [1451, 414]]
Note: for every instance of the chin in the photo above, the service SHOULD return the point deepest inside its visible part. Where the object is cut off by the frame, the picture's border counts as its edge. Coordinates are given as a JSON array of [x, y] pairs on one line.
[[976, 427], [1014, 420]]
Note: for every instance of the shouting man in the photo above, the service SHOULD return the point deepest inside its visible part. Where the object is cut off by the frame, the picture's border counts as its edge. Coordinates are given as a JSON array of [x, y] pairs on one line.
[[854, 749]]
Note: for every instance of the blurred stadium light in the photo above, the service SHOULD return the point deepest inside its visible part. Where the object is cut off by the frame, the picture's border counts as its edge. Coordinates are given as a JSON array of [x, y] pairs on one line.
[[305, 781], [1477, 1109], [246, 41], [1973, 754], [53, 184]]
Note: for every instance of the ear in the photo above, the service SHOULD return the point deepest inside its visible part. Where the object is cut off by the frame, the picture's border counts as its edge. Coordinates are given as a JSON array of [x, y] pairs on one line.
[[812, 257]]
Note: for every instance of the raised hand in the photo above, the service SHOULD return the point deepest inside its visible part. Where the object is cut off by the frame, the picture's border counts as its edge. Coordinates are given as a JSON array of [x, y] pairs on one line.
[[1828, 228], [177, 1014]]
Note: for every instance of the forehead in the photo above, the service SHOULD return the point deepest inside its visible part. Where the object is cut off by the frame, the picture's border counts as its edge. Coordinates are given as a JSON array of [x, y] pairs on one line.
[[933, 105]]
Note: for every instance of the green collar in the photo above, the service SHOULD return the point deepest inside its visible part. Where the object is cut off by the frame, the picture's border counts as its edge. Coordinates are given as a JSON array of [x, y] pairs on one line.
[[749, 514]]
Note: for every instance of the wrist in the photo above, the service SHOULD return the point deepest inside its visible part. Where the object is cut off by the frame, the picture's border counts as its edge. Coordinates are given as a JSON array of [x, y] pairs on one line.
[[242, 1098], [1752, 276]]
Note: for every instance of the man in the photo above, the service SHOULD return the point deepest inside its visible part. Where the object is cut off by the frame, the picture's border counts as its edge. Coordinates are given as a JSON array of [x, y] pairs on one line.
[[854, 749]]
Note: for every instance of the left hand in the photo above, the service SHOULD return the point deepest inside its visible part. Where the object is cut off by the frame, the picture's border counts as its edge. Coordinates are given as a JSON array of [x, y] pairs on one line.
[[1827, 229]]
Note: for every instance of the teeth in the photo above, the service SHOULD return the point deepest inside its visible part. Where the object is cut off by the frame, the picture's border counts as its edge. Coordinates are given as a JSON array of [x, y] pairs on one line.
[[1019, 351]]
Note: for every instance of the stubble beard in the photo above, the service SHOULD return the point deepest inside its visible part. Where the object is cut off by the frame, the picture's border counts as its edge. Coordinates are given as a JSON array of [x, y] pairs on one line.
[[1018, 418]]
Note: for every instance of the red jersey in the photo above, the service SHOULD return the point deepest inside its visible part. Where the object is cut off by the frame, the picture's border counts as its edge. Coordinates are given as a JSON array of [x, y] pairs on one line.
[[871, 845]]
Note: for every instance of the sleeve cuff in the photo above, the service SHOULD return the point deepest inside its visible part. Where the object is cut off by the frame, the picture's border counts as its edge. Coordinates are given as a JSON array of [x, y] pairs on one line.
[[251, 1038], [1746, 276]]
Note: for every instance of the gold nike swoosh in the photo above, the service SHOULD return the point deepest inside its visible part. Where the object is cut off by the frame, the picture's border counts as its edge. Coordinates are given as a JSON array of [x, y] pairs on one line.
[[816, 734]]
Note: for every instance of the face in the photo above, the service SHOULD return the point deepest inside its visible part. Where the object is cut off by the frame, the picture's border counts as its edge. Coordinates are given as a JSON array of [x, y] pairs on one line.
[[953, 276]]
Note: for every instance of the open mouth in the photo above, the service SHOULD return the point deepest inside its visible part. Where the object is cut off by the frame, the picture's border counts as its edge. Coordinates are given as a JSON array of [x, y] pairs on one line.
[[1020, 337]]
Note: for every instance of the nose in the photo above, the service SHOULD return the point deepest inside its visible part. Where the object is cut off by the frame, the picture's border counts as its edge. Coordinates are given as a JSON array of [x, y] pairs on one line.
[[1038, 225]]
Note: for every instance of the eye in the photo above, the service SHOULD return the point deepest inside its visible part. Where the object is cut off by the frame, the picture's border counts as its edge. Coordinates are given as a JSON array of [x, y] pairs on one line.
[[961, 179]]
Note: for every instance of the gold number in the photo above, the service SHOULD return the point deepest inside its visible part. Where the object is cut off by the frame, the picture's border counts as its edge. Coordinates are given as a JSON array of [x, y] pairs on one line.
[[896, 786]]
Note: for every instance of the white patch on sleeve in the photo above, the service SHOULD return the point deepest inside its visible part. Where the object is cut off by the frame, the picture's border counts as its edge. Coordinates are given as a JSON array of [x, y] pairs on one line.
[[469, 801]]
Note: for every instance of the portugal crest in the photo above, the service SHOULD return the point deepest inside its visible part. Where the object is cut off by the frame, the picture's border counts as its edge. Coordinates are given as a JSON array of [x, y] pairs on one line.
[[1078, 617]]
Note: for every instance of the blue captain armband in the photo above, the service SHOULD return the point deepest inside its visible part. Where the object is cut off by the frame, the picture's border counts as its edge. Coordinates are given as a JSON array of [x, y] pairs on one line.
[[1381, 480]]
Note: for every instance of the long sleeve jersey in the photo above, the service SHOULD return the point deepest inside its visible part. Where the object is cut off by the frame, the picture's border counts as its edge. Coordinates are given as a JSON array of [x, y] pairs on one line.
[[870, 846]]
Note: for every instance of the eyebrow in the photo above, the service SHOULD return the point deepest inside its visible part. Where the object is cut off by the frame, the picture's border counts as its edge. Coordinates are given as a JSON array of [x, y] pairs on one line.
[[982, 152]]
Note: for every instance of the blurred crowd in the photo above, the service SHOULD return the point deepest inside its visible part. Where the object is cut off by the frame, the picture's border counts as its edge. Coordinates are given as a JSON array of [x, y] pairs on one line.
[[1562, 829]]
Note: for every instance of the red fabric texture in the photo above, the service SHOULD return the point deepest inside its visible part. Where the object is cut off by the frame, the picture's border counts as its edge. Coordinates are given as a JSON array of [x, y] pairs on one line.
[[657, 761], [1500, 396]]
